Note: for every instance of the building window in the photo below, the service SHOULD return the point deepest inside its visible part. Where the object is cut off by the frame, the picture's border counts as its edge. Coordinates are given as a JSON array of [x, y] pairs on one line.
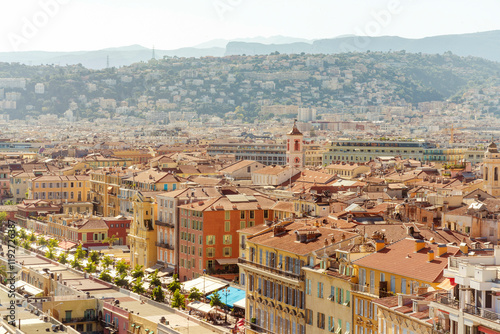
[[210, 239], [242, 224], [227, 215], [252, 214], [228, 239], [210, 264], [242, 214], [227, 251], [210, 251], [321, 320], [227, 226], [309, 317]]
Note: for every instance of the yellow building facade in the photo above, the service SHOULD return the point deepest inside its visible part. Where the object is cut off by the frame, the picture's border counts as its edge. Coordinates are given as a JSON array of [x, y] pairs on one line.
[[60, 189], [142, 238]]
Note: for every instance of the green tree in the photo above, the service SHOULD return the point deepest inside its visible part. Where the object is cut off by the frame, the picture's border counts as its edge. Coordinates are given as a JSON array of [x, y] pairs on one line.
[[158, 295], [22, 234], [215, 301], [138, 286], [107, 261], [155, 281], [53, 243], [41, 241], [3, 216], [63, 258], [137, 272], [110, 240], [178, 301], [121, 280], [26, 244], [174, 285], [94, 256], [122, 266], [105, 276], [9, 202], [90, 267], [80, 253], [32, 237], [194, 294], [50, 254], [3, 272]]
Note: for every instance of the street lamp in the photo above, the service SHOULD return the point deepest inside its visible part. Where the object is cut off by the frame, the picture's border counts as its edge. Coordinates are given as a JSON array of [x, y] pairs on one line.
[[226, 292], [204, 292]]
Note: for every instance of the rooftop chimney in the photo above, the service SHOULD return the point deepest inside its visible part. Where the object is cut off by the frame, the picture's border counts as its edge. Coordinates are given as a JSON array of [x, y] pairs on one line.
[[464, 248], [442, 249], [379, 245], [430, 256], [419, 244]]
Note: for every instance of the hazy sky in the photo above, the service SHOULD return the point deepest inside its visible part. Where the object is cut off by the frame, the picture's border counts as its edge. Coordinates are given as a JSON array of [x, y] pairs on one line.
[[71, 25]]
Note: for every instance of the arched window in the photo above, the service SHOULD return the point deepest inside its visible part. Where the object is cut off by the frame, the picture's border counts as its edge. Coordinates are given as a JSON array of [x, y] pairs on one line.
[[297, 145], [486, 173], [495, 174]]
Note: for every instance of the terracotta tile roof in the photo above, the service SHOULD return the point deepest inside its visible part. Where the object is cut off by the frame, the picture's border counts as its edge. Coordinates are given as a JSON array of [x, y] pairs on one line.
[[287, 241], [93, 223], [238, 165], [283, 206], [399, 258], [272, 170]]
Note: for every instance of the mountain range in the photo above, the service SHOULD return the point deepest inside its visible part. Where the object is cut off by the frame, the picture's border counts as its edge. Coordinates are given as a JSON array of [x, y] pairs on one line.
[[481, 44]]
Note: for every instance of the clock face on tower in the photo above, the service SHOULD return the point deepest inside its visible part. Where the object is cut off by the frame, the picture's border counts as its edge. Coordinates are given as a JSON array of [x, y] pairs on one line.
[[297, 160]]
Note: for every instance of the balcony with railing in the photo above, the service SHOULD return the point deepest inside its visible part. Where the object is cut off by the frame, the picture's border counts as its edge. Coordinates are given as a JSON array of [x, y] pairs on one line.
[[166, 224], [446, 299], [164, 245], [82, 319], [273, 270], [481, 312], [372, 291]]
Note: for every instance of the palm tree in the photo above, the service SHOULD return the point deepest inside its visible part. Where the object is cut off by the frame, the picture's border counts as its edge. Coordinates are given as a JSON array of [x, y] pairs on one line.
[[178, 300], [155, 281], [110, 240], [158, 295], [76, 264], [138, 286], [194, 294], [32, 237], [41, 241], [49, 254], [107, 261], [63, 258], [105, 276], [122, 266], [3, 272], [137, 272], [53, 243], [121, 281], [94, 257], [80, 253], [90, 268], [22, 234]]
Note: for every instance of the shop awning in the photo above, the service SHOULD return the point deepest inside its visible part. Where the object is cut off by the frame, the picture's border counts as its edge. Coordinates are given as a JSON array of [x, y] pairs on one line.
[[487, 330], [33, 291], [66, 245], [227, 261], [199, 306], [240, 303], [230, 295], [204, 284], [447, 284]]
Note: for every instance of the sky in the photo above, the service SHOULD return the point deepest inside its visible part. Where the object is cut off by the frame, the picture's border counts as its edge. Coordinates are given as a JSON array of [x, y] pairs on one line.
[[77, 25]]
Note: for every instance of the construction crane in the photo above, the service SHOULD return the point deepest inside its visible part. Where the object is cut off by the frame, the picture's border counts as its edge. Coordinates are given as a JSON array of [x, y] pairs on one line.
[[452, 132]]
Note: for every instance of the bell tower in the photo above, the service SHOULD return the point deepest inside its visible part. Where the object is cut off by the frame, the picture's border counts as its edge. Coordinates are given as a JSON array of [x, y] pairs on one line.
[[491, 170], [295, 148]]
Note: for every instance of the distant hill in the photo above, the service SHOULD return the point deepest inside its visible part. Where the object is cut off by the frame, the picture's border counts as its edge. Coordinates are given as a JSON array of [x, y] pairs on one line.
[[482, 44], [121, 56], [262, 40]]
